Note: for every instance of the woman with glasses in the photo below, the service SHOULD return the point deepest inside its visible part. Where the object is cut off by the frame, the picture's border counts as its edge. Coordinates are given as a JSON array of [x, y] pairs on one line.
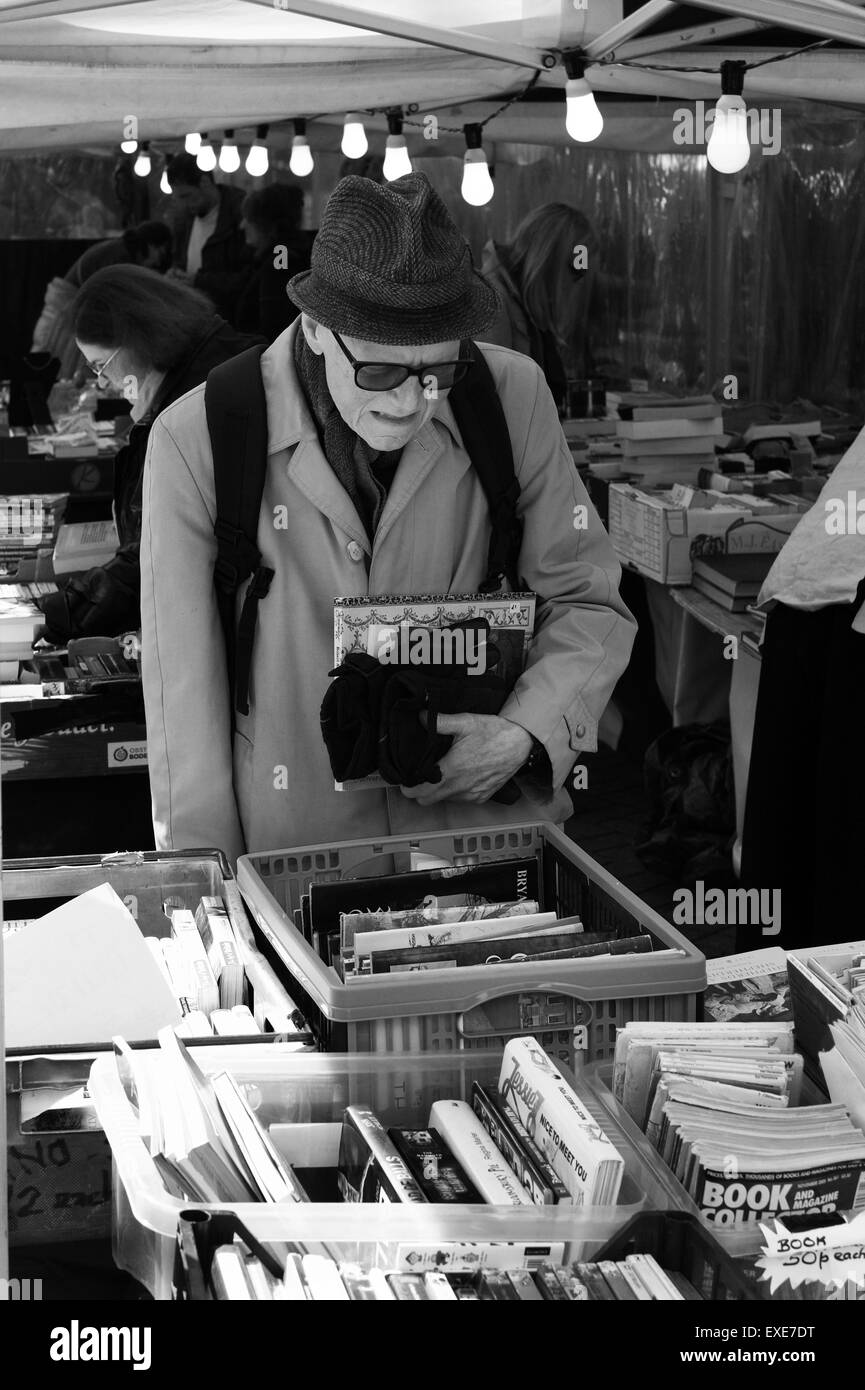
[[544, 280], [152, 341]]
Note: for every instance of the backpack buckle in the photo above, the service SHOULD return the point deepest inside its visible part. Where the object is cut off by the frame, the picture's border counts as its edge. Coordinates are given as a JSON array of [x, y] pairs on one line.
[[236, 556]]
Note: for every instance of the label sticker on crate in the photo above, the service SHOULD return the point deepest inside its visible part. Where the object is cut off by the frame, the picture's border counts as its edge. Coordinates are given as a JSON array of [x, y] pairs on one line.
[[127, 754]]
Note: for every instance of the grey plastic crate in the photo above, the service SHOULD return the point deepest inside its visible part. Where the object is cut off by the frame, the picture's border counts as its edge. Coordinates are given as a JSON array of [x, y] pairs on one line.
[[572, 1007]]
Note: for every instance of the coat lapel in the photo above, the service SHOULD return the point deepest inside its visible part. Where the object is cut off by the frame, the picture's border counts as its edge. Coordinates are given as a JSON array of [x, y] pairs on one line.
[[309, 470]]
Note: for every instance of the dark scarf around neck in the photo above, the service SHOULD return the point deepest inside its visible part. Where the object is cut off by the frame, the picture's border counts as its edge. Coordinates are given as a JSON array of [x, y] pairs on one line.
[[350, 457]]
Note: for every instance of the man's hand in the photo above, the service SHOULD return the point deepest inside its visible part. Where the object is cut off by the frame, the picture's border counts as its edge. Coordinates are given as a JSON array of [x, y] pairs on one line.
[[486, 751], [178, 273]]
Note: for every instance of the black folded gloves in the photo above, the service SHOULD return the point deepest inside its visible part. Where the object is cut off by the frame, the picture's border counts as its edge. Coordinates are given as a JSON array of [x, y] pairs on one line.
[[370, 723]]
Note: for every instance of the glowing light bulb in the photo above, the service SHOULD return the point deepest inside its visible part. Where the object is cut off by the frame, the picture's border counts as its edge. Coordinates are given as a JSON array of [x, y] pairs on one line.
[[192, 143], [142, 165], [229, 157], [206, 157], [257, 162], [477, 185], [396, 158], [728, 149], [164, 185], [129, 146], [354, 141], [301, 162], [583, 120]]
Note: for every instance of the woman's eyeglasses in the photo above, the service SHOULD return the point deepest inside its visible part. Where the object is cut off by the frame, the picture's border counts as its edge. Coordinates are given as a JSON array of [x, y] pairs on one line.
[[386, 376], [98, 368]]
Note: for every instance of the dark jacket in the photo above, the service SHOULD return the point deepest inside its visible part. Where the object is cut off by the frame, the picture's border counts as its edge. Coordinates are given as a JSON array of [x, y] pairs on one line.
[[225, 258], [105, 601], [263, 305]]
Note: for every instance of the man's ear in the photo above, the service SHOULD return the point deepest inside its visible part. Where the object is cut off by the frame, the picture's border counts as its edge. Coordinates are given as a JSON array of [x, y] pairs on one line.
[[311, 330]]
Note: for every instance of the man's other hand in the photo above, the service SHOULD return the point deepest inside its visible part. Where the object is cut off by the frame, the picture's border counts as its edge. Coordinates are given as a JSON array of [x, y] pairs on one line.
[[487, 750]]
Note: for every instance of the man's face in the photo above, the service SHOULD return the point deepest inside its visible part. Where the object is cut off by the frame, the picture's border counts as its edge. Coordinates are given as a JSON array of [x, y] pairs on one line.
[[193, 198], [384, 419]]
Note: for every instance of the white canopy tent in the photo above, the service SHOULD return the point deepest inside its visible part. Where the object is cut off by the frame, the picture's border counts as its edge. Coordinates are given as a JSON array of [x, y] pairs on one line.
[[71, 71]]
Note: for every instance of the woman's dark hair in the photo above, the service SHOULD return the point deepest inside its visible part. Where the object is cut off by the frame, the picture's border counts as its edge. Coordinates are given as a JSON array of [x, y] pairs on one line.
[[542, 259], [155, 320], [146, 234], [277, 209]]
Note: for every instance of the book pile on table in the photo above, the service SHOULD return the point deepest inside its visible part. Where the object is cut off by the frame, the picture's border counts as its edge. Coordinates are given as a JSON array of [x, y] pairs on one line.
[[720, 1103], [238, 1274], [28, 523], [666, 440], [448, 918]]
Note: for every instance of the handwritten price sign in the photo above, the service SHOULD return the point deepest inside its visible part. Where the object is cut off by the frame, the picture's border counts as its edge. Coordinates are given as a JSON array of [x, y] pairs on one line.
[[833, 1255]]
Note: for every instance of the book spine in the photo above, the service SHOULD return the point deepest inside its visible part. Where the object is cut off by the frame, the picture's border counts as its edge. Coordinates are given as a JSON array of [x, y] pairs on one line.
[[529, 1164], [474, 1149], [440, 1177], [463, 1256], [390, 1162]]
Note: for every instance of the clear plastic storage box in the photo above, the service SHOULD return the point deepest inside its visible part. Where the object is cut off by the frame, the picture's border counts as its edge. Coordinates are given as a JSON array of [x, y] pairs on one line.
[[58, 1161], [313, 1089], [573, 1008], [744, 1243]]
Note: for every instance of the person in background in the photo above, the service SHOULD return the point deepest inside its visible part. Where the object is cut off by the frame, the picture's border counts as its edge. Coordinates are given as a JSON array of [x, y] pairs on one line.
[[154, 340], [148, 244], [271, 225], [545, 290], [210, 251]]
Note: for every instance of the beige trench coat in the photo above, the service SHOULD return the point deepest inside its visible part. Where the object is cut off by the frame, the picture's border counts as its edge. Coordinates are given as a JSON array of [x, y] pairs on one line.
[[432, 538]]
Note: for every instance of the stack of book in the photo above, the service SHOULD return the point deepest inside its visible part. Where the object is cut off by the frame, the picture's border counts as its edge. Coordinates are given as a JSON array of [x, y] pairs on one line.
[[19, 622], [719, 1104], [446, 919], [202, 961], [665, 440], [733, 581], [28, 523]]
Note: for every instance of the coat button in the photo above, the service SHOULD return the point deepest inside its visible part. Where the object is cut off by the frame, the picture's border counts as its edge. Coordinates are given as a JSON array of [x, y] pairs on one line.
[[355, 551], [580, 731]]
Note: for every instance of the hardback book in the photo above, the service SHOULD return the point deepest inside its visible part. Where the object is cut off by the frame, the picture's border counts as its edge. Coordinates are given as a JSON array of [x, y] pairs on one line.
[[582, 1154], [670, 427], [220, 943], [740, 576], [371, 1168], [681, 410], [702, 446], [185, 933], [81, 545], [650, 402]]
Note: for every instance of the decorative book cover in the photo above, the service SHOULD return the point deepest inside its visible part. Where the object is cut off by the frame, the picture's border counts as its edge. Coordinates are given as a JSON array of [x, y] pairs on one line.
[[372, 624]]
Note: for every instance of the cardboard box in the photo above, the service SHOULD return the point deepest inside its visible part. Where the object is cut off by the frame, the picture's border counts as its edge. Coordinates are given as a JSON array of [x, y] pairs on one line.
[[655, 535]]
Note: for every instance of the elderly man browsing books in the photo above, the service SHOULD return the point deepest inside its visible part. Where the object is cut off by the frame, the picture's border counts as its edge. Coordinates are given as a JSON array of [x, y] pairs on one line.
[[373, 450]]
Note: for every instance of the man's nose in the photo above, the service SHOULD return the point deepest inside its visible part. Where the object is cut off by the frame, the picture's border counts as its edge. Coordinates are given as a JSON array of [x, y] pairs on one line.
[[407, 398]]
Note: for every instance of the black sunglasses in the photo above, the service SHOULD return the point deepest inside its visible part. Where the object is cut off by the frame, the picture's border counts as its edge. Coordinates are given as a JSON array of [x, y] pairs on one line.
[[385, 376]]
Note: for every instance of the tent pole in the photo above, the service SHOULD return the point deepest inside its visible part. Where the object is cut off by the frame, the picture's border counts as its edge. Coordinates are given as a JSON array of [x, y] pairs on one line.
[[635, 23], [401, 28], [694, 37], [828, 19]]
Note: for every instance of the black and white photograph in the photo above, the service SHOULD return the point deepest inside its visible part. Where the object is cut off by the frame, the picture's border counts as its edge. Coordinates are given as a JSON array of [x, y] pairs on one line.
[[432, 656]]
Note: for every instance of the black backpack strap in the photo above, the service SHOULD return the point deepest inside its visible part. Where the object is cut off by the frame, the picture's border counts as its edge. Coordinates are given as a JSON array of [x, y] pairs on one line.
[[484, 429], [236, 410]]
